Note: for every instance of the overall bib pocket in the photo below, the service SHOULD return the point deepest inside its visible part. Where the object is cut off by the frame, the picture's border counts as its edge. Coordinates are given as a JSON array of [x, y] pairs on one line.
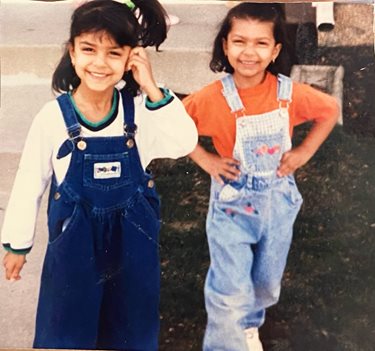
[[106, 172], [262, 154]]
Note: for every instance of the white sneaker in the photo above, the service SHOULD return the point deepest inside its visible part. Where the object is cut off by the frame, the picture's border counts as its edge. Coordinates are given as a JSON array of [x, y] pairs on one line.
[[252, 340]]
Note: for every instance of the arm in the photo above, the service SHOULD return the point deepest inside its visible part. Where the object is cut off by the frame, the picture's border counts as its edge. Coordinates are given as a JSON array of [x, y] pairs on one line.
[[300, 155], [20, 217], [215, 165]]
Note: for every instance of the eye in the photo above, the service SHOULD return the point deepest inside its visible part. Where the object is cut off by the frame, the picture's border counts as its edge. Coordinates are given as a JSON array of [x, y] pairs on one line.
[[87, 49], [263, 43], [115, 53]]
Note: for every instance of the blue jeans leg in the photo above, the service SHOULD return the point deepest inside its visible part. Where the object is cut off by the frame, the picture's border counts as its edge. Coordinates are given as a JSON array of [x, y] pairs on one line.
[[249, 240], [229, 291]]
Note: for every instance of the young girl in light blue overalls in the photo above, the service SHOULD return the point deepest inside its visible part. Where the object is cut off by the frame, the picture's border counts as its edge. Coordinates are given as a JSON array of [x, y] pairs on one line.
[[100, 279], [254, 200]]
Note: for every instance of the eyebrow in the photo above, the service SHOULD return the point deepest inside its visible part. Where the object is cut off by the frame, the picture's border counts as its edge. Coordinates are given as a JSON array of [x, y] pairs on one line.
[[92, 44], [244, 37]]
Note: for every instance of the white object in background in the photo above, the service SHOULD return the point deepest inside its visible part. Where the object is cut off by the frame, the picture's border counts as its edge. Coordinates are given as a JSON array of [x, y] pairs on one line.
[[325, 20]]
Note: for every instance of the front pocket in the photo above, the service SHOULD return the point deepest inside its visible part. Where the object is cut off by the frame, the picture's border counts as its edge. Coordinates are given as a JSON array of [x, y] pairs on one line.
[[291, 193], [106, 172], [144, 218], [62, 218]]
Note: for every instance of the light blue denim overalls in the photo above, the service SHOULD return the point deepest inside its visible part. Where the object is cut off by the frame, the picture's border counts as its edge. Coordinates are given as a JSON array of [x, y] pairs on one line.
[[100, 279], [249, 224]]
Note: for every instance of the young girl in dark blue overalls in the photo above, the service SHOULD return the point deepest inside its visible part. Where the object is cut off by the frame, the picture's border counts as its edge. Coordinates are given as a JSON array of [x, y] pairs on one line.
[[250, 114], [100, 279]]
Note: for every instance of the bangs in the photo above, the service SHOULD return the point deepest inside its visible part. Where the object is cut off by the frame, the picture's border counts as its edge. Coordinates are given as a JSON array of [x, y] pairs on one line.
[[124, 30]]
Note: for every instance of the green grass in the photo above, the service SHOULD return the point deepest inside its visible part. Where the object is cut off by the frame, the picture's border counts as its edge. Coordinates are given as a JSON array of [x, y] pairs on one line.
[[328, 296]]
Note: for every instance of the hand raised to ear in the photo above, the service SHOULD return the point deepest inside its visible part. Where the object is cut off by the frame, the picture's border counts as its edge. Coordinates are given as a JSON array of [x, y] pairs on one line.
[[140, 65]]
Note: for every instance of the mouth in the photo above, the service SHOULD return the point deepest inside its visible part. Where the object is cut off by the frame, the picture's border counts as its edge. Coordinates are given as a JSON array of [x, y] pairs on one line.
[[98, 75], [248, 63]]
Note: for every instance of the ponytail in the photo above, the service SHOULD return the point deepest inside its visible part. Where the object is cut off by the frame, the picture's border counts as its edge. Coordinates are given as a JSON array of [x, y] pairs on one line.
[[151, 16]]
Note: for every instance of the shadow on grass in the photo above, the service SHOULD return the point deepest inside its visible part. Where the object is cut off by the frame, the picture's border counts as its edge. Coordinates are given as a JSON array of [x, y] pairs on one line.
[[327, 300]]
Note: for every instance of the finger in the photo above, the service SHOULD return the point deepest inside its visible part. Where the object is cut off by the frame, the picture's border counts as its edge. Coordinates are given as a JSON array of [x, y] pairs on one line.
[[229, 175], [16, 273], [218, 179], [139, 51], [232, 161], [232, 170], [285, 170], [136, 62], [8, 272]]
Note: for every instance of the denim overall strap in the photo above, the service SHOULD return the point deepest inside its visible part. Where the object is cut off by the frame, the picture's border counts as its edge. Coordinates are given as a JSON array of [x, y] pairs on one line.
[[73, 127], [231, 94], [128, 103], [284, 89]]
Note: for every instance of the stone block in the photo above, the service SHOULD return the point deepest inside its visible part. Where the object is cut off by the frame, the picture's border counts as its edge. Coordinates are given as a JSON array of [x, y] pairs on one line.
[[328, 79]]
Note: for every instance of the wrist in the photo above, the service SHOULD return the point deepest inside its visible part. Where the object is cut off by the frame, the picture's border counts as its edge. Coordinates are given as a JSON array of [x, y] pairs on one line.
[[154, 94], [167, 98], [20, 252]]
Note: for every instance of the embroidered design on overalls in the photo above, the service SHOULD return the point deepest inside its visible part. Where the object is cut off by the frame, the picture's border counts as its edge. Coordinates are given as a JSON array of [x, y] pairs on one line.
[[265, 149], [107, 170]]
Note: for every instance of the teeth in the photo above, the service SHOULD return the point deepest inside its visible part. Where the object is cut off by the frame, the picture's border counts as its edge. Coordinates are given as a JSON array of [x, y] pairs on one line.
[[99, 75]]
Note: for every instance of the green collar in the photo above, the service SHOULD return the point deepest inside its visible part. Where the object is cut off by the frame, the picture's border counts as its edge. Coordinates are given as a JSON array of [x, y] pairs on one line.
[[105, 118]]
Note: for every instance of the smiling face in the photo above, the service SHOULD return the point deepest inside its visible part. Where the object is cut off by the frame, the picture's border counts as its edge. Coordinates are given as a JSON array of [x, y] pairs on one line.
[[98, 61], [250, 48]]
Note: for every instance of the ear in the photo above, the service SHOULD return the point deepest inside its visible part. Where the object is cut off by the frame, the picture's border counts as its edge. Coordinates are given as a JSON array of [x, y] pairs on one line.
[[71, 53], [225, 46], [276, 51]]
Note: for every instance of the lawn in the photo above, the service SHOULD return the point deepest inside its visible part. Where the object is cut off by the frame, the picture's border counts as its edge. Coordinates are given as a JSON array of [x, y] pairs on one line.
[[327, 300]]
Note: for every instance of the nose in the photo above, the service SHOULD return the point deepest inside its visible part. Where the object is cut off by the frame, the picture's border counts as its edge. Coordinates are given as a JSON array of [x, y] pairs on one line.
[[249, 49], [100, 59]]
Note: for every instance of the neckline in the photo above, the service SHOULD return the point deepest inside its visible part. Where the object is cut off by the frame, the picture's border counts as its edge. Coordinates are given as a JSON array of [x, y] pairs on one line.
[[105, 119], [257, 88]]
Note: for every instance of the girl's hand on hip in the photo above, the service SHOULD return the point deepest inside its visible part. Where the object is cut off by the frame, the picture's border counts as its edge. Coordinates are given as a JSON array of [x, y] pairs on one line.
[[139, 64], [215, 165], [13, 264], [218, 166], [292, 160]]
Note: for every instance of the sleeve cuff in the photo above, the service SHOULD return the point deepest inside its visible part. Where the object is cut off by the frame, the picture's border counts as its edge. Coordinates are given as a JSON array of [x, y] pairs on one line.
[[168, 97], [16, 251]]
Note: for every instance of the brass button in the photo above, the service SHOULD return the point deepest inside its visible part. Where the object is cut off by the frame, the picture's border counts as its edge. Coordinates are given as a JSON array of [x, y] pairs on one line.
[[81, 145], [150, 183], [57, 196], [130, 143]]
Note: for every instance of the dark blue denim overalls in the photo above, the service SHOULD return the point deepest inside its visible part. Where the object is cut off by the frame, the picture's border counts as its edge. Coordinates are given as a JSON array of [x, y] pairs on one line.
[[100, 279]]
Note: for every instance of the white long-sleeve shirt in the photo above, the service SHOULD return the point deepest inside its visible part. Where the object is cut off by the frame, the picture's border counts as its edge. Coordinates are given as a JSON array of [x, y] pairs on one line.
[[166, 132]]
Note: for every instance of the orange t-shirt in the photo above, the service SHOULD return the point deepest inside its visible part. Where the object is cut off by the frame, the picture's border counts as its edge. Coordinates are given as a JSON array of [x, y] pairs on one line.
[[211, 113]]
